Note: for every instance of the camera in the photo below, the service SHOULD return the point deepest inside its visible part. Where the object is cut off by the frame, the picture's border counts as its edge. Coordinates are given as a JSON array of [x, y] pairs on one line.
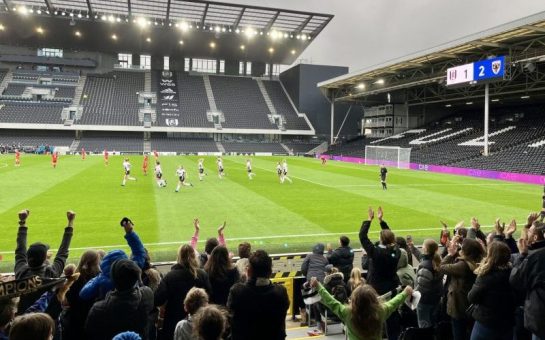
[[124, 221]]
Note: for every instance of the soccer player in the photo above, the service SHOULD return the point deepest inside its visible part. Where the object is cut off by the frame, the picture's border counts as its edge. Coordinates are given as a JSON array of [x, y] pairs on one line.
[[106, 155], [285, 172], [127, 170], [83, 154], [54, 159], [279, 172], [17, 158], [249, 169], [159, 175], [221, 172], [324, 160], [383, 172], [181, 173], [156, 155], [201, 169], [145, 165]]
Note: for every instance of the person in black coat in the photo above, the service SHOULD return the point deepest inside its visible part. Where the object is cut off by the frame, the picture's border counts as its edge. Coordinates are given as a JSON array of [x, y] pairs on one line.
[[124, 309], [222, 274], [492, 297], [342, 258], [258, 307], [183, 276], [383, 259]]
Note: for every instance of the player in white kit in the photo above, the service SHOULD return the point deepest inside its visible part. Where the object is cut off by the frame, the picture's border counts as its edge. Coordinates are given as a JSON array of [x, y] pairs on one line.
[[221, 172], [182, 174], [249, 169], [285, 172], [201, 169], [127, 171], [279, 172], [159, 175]]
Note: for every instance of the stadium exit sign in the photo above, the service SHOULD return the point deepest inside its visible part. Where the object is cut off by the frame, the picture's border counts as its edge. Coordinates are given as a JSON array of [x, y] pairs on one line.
[[488, 69]]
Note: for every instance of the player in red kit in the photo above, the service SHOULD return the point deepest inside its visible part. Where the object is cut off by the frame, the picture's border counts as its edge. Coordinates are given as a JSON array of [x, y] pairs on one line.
[[54, 159], [83, 154], [145, 165], [106, 155], [17, 158], [324, 160]]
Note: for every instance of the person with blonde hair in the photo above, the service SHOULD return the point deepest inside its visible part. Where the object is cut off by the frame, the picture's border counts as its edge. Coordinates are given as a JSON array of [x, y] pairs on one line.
[[355, 280], [184, 275], [365, 314], [210, 323], [195, 299]]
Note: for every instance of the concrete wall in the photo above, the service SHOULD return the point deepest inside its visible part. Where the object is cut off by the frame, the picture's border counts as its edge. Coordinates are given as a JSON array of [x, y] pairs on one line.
[[300, 82]]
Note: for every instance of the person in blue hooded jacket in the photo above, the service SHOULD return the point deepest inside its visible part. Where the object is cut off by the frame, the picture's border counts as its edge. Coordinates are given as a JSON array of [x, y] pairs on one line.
[[98, 287]]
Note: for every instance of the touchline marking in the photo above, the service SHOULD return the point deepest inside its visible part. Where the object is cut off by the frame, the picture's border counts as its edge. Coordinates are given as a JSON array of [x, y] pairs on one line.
[[3, 165], [250, 238], [433, 185]]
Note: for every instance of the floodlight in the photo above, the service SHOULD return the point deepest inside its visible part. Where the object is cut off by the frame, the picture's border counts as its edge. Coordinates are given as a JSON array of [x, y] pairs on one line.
[[448, 105], [469, 103], [304, 36], [181, 42], [114, 37], [293, 51], [39, 30], [141, 22], [361, 86], [2, 27], [79, 15], [148, 39], [77, 34], [271, 50], [212, 44], [379, 82], [495, 100], [218, 29], [242, 47]]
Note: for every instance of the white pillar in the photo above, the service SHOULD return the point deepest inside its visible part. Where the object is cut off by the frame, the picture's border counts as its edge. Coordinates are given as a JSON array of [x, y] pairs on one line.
[[486, 118], [332, 117]]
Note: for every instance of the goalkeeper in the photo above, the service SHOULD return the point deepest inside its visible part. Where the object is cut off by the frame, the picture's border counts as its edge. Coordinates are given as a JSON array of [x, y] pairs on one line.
[[383, 172]]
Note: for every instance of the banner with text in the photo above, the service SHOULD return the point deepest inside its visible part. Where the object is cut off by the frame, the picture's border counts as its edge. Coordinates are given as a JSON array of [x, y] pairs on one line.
[[168, 99]]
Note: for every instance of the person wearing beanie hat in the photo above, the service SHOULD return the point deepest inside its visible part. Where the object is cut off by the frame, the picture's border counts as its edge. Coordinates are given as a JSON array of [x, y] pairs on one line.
[[127, 336], [32, 261], [314, 264], [126, 308]]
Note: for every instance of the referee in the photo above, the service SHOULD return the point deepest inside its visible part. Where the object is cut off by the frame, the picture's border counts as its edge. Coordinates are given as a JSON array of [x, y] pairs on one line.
[[383, 172]]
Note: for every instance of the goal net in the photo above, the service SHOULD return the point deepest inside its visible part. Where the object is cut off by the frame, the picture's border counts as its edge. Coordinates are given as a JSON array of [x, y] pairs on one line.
[[392, 156]]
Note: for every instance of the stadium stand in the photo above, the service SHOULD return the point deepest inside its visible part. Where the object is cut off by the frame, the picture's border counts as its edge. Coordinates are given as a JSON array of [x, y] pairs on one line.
[[241, 102], [30, 112], [111, 99], [249, 147], [36, 138], [97, 142], [34, 75], [17, 89], [283, 106], [183, 145], [298, 148]]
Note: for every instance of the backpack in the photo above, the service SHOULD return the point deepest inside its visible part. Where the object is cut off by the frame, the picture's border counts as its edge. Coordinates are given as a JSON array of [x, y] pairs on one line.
[[339, 293]]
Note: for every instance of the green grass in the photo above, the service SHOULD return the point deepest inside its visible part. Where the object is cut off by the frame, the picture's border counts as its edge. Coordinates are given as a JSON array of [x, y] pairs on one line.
[[322, 203]]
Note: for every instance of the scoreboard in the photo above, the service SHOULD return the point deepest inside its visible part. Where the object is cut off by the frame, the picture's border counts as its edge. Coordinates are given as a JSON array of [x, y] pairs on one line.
[[488, 69]]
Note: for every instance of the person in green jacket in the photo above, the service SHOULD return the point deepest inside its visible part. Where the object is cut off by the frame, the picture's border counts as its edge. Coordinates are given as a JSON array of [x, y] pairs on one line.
[[365, 315]]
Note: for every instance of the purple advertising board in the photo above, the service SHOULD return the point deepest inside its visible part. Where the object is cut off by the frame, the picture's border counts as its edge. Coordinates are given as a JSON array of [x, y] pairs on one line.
[[443, 169]]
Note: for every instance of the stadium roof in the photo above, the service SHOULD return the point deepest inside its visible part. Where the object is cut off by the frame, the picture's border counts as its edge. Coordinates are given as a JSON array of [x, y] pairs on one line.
[[191, 11], [520, 41]]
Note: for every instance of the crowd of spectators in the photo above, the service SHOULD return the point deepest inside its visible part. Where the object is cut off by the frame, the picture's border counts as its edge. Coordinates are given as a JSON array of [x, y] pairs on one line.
[[13, 147], [480, 286]]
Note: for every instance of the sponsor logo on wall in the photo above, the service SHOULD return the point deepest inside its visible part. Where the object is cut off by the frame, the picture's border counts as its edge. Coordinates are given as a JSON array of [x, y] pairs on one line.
[[168, 98]]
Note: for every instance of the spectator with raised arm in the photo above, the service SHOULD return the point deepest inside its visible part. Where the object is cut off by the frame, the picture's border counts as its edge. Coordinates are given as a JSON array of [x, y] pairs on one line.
[[492, 297], [32, 261], [183, 276], [99, 286], [222, 274], [342, 257], [459, 265], [475, 231], [383, 259], [365, 315], [211, 243]]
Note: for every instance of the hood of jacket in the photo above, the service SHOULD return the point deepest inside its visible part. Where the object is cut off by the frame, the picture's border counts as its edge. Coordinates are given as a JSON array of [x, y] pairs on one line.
[[403, 259], [109, 259], [318, 249], [335, 277]]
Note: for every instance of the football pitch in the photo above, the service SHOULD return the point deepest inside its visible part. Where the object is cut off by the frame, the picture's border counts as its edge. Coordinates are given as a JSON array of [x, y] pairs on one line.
[[322, 203]]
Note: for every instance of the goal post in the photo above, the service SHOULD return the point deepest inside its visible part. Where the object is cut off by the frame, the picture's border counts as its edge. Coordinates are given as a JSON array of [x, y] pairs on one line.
[[392, 156]]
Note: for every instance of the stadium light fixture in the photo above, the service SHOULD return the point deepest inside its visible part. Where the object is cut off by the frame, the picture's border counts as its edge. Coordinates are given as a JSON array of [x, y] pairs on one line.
[[217, 29], [361, 86], [23, 10], [309, 37], [223, 29], [448, 105], [103, 18], [242, 47], [181, 42], [379, 82], [237, 31], [2, 28], [63, 13], [77, 34], [71, 15], [96, 16], [114, 37], [184, 26], [495, 100], [118, 19], [298, 36], [38, 12], [79, 15], [304, 36], [212, 44], [169, 24], [148, 39], [31, 10], [39, 30], [525, 97], [286, 35], [141, 22], [191, 26], [293, 51], [111, 18], [469, 103], [271, 50]]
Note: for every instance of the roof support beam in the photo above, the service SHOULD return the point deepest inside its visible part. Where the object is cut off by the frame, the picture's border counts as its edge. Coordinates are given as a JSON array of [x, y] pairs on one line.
[[239, 17], [8, 5], [129, 8], [49, 5], [203, 19], [535, 28], [409, 63], [446, 55], [168, 11], [304, 24], [489, 44], [89, 8], [271, 22]]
